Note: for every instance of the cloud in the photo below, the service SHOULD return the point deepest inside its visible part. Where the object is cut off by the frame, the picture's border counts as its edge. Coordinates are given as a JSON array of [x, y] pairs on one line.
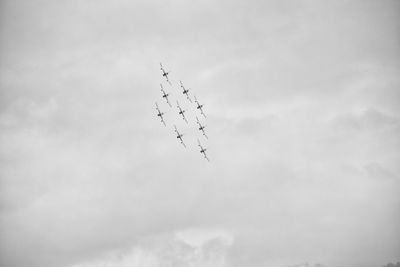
[[190, 247], [302, 114], [135, 258], [369, 120]]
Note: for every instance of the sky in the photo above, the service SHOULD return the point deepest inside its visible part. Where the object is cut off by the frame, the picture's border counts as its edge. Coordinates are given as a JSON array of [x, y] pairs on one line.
[[303, 118]]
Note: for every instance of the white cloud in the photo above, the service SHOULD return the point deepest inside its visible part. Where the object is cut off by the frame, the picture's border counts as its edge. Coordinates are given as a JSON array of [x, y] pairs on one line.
[[134, 258], [187, 248]]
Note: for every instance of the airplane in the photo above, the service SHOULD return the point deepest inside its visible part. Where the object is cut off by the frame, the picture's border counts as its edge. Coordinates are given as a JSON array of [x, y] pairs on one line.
[[201, 127], [185, 92], [165, 95], [199, 107], [179, 136], [202, 150], [165, 74], [181, 112], [160, 114]]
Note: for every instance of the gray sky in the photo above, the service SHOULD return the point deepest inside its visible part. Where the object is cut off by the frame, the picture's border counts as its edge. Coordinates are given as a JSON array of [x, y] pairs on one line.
[[303, 112]]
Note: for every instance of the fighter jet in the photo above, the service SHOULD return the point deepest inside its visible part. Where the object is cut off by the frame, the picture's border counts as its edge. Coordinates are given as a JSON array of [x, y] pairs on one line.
[[160, 114], [199, 107], [181, 112], [165, 95], [165, 74], [179, 136], [202, 150], [185, 92], [201, 127]]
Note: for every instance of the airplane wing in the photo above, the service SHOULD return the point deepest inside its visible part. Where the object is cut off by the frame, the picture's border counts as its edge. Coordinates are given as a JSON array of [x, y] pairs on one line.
[[204, 133], [183, 87], [184, 117], [179, 107], [197, 102], [198, 143], [180, 137], [202, 113], [166, 77], [187, 95], [198, 122]]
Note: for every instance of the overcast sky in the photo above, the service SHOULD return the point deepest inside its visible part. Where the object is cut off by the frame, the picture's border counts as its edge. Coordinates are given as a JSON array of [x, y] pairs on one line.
[[302, 99]]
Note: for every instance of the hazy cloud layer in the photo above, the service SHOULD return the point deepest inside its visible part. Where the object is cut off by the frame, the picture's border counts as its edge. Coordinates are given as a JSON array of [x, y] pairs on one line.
[[303, 112]]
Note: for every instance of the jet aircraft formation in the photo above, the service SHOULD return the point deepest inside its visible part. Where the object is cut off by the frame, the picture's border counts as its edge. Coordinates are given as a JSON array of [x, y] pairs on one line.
[[180, 111]]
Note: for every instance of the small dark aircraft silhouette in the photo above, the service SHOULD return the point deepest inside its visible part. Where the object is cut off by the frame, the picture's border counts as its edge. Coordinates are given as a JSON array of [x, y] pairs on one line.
[[185, 92], [202, 150], [201, 127], [165, 95], [199, 107], [165, 74], [179, 136], [181, 112], [160, 114]]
